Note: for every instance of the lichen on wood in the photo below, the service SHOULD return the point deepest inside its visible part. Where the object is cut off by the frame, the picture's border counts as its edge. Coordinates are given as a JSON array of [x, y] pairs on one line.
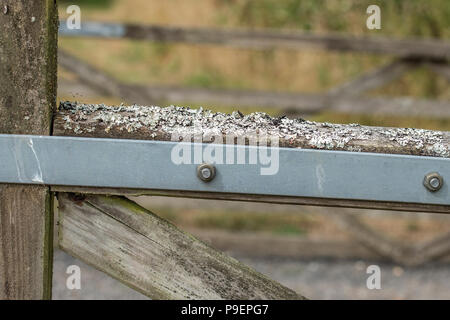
[[156, 123]]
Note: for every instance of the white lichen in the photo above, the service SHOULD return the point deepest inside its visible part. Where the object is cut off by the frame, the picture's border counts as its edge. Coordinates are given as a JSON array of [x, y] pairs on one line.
[[184, 121]]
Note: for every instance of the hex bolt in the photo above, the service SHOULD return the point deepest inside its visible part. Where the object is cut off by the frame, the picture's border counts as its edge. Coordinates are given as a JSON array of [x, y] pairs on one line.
[[433, 181], [206, 172]]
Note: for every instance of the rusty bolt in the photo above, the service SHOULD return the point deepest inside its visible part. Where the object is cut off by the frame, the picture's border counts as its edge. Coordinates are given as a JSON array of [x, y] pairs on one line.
[[433, 181]]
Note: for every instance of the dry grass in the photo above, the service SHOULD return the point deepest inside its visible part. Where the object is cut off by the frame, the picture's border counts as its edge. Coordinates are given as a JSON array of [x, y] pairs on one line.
[[166, 12]]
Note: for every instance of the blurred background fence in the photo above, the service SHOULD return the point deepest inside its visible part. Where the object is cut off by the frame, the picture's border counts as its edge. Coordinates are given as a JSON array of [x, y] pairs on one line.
[[410, 54]]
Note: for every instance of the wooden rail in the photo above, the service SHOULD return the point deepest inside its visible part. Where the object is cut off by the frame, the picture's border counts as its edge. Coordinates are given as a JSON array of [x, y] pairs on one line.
[[265, 39], [397, 251], [154, 123], [152, 256]]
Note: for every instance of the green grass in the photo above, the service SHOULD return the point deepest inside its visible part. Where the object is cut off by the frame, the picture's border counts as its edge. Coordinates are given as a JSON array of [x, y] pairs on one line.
[[279, 223], [205, 79], [413, 226], [287, 230]]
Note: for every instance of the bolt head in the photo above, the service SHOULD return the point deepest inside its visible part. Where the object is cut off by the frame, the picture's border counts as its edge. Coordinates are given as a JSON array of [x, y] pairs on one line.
[[206, 172], [433, 181]]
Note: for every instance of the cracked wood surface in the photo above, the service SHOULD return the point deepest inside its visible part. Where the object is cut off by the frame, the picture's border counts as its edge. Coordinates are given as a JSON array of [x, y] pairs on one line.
[[173, 123], [27, 100], [149, 254]]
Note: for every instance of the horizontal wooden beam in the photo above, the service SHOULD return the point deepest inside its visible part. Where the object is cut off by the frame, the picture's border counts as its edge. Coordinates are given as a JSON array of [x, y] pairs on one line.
[[100, 81], [154, 123], [374, 79], [266, 39], [147, 253]]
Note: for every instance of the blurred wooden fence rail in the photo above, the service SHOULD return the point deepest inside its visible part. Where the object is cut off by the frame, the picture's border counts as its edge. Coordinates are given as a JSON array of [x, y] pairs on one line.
[[348, 98], [425, 50]]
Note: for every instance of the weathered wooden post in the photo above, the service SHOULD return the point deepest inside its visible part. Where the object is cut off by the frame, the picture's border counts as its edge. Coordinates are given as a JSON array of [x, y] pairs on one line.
[[28, 50]]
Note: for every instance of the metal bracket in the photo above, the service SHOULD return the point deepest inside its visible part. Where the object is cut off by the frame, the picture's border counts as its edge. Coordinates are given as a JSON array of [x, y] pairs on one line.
[[114, 163]]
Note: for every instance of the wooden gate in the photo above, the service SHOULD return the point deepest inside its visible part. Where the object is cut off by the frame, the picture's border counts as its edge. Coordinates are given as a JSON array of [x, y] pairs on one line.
[[101, 227]]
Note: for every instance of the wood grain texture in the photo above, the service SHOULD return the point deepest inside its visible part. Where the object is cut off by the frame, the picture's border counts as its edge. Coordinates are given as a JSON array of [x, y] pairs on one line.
[[27, 99], [147, 253], [25, 240], [165, 124]]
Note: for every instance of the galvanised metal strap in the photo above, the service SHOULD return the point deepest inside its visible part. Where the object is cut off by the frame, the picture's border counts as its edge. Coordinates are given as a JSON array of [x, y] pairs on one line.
[[135, 164]]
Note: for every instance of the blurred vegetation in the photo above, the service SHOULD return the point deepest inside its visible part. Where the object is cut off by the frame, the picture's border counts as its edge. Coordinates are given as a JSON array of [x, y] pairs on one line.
[[400, 17], [299, 221], [281, 223], [307, 71], [442, 124], [255, 222]]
